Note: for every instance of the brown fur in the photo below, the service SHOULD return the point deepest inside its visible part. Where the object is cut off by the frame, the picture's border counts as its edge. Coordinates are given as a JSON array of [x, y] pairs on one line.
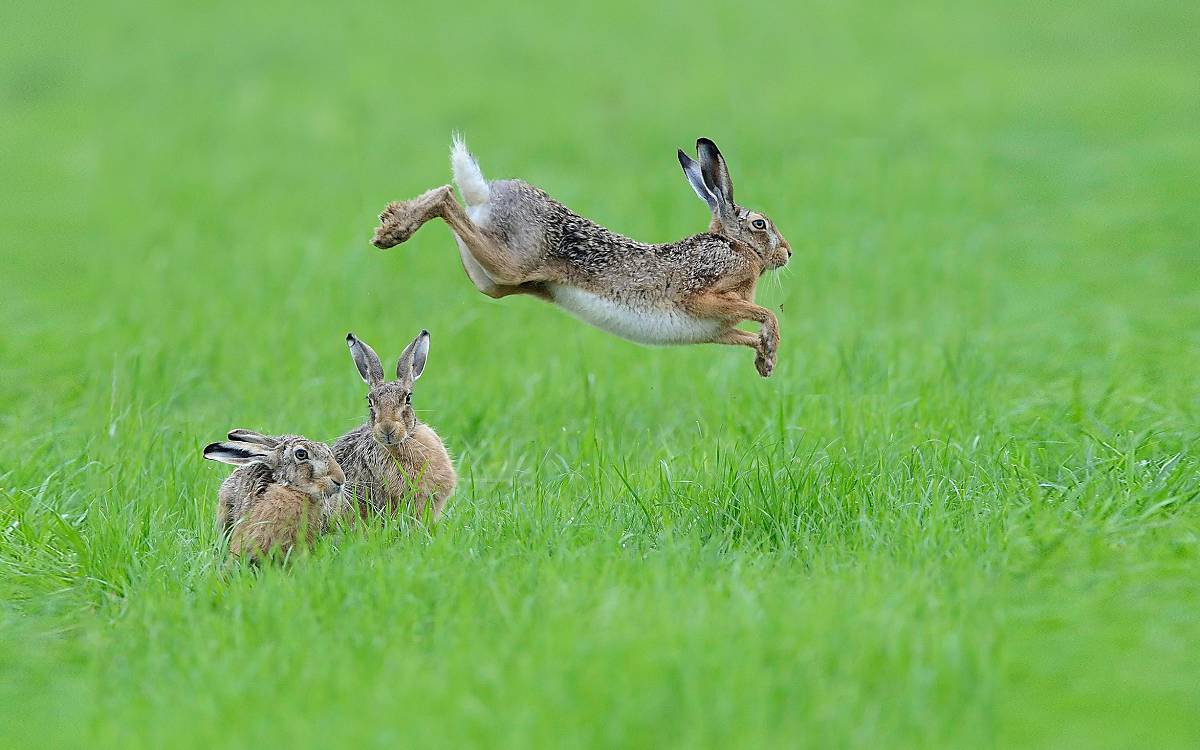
[[394, 462], [278, 519], [525, 242], [277, 499]]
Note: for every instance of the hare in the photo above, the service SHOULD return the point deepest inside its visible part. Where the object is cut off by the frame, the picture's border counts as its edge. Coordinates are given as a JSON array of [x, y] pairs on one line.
[[513, 238], [287, 486], [394, 459]]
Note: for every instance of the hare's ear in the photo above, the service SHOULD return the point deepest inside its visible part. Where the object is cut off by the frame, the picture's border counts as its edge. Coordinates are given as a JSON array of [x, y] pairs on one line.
[[691, 170], [250, 436], [237, 453], [715, 173], [366, 360], [412, 360]]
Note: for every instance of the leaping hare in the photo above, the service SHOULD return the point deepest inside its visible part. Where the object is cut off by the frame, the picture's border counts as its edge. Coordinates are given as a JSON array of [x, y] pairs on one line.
[[394, 460], [514, 238], [287, 486]]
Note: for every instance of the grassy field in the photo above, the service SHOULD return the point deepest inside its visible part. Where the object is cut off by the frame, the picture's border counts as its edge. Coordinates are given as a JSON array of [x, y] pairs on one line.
[[963, 513]]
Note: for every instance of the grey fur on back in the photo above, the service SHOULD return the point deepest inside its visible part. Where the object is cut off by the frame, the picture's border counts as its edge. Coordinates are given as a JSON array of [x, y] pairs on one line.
[[589, 255]]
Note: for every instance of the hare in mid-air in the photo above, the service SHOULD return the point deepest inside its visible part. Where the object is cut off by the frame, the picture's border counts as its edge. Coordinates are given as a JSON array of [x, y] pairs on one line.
[[284, 494], [394, 461], [514, 238]]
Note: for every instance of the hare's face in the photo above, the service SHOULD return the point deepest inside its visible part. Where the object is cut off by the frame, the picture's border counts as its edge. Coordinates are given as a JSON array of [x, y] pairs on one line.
[[310, 467], [756, 230], [709, 177], [392, 416]]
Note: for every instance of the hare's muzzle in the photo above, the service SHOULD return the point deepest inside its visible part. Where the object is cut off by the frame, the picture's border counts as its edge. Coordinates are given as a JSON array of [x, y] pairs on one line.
[[390, 434], [781, 256]]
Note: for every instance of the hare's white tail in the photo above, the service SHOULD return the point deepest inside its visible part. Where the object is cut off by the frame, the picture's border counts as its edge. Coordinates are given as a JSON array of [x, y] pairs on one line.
[[467, 174]]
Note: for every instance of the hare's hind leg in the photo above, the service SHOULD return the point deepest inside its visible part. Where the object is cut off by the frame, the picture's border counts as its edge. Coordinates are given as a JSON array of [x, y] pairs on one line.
[[400, 220], [479, 277]]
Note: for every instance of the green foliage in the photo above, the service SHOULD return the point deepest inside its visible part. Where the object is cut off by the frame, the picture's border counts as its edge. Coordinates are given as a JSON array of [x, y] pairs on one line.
[[961, 514]]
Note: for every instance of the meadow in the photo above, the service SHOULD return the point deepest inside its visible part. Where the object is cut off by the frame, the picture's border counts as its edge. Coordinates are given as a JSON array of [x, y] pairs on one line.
[[962, 513]]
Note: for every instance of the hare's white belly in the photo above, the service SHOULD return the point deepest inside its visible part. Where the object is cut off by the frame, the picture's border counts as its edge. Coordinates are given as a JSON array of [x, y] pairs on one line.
[[646, 325]]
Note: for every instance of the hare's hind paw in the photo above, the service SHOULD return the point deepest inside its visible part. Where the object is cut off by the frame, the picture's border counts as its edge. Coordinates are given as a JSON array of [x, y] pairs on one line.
[[395, 225], [401, 219]]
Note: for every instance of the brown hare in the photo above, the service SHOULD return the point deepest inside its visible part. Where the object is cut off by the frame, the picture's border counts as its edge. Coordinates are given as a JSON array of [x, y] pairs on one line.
[[284, 494], [513, 238], [394, 460]]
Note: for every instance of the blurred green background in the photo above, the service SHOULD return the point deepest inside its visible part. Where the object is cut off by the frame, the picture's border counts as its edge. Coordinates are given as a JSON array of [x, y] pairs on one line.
[[960, 514]]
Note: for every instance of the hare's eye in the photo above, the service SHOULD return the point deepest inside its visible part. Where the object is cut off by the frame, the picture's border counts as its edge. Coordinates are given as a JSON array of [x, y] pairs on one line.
[[758, 224], [408, 398], [301, 454]]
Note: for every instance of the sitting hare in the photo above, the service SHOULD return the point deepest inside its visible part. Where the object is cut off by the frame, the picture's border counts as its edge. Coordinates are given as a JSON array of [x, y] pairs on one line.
[[287, 487], [514, 238], [393, 459]]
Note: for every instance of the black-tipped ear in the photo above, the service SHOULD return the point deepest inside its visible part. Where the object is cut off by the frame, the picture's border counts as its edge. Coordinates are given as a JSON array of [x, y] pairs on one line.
[[366, 360], [691, 170], [412, 360], [250, 436], [236, 453], [715, 171]]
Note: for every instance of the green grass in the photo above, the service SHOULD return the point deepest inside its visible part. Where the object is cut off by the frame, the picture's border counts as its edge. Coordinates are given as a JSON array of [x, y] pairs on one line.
[[963, 513]]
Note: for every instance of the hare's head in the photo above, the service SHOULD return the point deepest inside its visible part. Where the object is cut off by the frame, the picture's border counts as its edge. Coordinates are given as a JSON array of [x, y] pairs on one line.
[[302, 464], [709, 177], [392, 415]]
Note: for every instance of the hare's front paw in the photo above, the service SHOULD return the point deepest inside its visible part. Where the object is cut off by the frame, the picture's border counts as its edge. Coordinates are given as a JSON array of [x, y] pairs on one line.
[[768, 351], [765, 364]]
